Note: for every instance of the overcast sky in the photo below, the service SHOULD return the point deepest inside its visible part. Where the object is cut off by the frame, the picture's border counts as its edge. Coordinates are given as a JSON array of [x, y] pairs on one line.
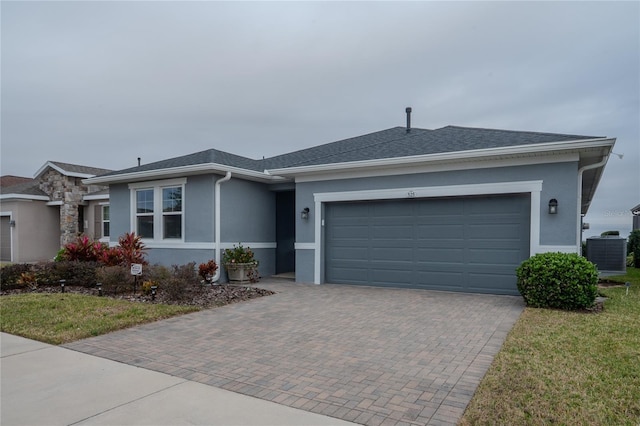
[[102, 83]]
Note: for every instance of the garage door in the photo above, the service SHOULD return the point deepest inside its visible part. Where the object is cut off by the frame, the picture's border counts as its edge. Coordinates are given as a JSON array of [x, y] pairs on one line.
[[5, 239], [469, 244]]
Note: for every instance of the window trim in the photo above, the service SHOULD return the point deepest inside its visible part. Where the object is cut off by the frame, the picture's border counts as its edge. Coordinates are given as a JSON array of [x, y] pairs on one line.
[[158, 214], [103, 221]]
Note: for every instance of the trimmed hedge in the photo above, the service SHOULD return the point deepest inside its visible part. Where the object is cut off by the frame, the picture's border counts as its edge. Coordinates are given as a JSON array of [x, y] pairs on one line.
[[558, 280], [50, 273]]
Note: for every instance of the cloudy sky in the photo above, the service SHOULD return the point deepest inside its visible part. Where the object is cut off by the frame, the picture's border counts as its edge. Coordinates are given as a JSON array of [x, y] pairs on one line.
[[102, 83]]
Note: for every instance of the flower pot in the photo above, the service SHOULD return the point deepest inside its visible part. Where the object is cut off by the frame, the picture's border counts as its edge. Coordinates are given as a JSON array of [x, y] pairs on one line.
[[239, 273]]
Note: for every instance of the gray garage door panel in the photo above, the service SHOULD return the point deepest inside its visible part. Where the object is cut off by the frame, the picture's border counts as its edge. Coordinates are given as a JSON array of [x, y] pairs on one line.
[[5, 239], [458, 244]]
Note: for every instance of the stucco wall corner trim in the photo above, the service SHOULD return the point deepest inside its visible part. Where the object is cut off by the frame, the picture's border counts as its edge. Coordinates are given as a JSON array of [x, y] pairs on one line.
[[304, 246]]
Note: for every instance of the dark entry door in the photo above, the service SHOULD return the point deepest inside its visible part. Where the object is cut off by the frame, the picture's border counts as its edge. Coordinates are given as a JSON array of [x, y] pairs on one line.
[[285, 232]]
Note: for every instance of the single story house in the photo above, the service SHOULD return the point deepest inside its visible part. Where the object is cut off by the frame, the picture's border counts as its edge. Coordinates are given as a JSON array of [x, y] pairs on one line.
[[454, 208], [39, 215]]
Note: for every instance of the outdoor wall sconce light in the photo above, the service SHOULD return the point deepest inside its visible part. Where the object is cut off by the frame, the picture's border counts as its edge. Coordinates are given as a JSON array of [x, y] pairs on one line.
[[99, 285], [153, 292], [62, 284], [305, 213], [553, 206], [12, 223]]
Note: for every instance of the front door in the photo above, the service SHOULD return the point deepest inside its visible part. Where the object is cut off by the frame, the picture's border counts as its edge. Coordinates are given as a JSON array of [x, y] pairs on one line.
[[285, 232]]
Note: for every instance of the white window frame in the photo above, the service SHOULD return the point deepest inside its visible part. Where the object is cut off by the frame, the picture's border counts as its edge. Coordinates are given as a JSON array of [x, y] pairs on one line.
[[158, 214], [103, 221]]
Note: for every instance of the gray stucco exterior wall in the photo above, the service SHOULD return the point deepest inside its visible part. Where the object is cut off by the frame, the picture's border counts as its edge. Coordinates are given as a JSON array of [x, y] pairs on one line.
[[559, 182], [247, 216], [198, 209], [119, 211], [248, 212]]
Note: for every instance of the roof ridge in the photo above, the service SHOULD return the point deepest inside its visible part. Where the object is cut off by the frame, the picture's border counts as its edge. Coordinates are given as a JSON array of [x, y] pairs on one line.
[[531, 132]]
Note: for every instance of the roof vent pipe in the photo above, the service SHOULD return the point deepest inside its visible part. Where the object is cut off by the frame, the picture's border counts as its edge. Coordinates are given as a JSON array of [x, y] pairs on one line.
[[408, 111], [139, 161]]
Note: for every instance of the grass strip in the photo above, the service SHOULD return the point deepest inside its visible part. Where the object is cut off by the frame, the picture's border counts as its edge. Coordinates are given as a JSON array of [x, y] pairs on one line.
[[61, 318], [559, 367]]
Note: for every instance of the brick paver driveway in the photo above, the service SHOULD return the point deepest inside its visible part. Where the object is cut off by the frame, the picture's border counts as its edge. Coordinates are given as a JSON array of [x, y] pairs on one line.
[[368, 355]]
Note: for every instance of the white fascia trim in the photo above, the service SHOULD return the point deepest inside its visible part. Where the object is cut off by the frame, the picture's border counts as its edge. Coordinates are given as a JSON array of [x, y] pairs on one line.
[[304, 246], [61, 171], [159, 183], [533, 187], [176, 245], [183, 170], [203, 245], [449, 156], [431, 191], [95, 197], [441, 167], [55, 203], [23, 197]]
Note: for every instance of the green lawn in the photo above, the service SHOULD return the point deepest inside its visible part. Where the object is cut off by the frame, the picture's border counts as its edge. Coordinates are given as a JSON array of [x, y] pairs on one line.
[[61, 318], [559, 367]]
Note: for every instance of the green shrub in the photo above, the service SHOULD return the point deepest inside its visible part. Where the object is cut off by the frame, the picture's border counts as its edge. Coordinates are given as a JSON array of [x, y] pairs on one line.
[[156, 273], [10, 275], [633, 247], [74, 272], [175, 289], [558, 280], [186, 273], [114, 279]]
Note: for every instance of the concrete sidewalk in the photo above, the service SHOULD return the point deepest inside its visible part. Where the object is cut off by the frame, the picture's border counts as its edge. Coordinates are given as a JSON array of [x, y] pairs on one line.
[[49, 385]]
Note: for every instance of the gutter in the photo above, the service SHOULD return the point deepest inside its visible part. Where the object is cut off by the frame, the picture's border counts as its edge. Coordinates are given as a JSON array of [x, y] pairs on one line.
[[181, 171], [216, 208], [579, 198]]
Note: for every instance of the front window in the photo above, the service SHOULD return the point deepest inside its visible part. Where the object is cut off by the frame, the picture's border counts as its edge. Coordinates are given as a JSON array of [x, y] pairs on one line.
[[144, 213], [158, 209], [172, 212], [105, 221]]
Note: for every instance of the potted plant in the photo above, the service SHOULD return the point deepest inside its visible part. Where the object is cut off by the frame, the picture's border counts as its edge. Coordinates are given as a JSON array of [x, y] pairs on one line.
[[241, 265]]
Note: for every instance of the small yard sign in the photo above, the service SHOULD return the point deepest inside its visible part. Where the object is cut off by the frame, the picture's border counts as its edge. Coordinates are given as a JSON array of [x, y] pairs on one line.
[[136, 269]]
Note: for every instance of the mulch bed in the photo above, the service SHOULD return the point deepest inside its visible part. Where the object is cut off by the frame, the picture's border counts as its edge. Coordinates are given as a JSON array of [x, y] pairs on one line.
[[205, 296]]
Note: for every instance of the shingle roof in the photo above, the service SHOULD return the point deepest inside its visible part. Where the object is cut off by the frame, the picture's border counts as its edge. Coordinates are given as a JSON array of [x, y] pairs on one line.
[[25, 188], [76, 168], [390, 143], [202, 157], [9, 180], [397, 142]]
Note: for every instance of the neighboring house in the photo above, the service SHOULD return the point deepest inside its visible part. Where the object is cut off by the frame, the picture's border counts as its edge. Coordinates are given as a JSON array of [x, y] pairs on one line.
[[39, 215], [453, 208], [636, 217]]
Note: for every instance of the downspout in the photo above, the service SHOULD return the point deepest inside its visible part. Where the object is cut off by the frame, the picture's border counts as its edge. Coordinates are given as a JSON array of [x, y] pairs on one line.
[[219, 182], [580, 171]]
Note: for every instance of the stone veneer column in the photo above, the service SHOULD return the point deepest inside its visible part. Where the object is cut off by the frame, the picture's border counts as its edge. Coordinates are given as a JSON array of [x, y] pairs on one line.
[[70, 191]]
